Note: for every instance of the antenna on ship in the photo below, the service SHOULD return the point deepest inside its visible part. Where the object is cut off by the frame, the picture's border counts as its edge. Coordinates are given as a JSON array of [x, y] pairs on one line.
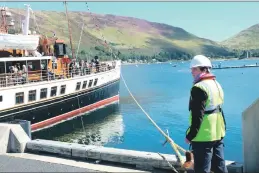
[[82, 29], [69, 29]]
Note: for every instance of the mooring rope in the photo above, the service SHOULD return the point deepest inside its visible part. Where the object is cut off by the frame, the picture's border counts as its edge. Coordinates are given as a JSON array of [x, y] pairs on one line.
[[172, 143]]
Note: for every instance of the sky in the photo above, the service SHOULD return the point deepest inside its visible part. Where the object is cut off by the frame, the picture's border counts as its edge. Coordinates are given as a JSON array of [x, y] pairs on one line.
[[212, 20]]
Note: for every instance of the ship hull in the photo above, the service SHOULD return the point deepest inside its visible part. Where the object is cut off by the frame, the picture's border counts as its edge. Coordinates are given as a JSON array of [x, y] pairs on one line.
[[47, 113]]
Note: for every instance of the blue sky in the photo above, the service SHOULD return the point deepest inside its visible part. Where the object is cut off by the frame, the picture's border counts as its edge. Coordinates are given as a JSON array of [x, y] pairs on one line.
[[213, 20]]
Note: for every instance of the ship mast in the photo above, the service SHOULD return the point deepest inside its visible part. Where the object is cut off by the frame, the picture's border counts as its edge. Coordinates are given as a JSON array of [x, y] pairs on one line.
[[69, 29], [27, 20], [4, 28]]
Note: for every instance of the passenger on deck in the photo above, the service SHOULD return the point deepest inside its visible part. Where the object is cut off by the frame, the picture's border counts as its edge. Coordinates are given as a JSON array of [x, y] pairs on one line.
[[87, 68], [15, 74], [72, 68], [82, 67], [97, 64], [50, 74], [76, 68], [20, 79], [15, 69], [24, 73], [207, 123], [92, 65]]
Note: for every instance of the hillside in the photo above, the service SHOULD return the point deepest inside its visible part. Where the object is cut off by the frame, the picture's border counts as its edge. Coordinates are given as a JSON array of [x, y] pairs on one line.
[[246, 39], [127, 35]]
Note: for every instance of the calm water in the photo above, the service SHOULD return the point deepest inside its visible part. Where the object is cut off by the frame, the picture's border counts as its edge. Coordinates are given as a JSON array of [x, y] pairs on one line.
[[163, 91]]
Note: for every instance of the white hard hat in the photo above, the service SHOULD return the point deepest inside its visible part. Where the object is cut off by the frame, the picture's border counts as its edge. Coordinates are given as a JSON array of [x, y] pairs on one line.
[[200, 61]]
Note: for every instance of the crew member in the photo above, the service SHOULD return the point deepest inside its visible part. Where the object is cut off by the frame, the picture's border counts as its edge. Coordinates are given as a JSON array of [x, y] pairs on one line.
[[207, 123]]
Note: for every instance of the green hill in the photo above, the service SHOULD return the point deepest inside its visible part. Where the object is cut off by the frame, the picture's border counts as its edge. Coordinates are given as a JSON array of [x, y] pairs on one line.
[[244, 40], [129, 37]]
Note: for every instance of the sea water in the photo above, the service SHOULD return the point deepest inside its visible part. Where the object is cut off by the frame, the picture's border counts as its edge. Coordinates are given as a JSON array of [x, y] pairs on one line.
[[163, 91]]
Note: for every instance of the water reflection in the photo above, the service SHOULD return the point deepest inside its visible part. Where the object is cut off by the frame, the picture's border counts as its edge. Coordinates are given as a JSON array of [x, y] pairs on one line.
[[101, 127]]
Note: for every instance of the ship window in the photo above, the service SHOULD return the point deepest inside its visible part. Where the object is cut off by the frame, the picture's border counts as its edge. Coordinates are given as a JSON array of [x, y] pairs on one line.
[[44, 64], [53, 91], [32, 95], [95, 81], [43, 93], [63, 89], [32, 65], [84, 85], [54, 65], [2, 68], [1, 98], [90, 83], [19, 98], [60, 49], [78, 85]]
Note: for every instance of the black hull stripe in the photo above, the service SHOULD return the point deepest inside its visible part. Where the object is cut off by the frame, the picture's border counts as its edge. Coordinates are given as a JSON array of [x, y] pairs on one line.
[[42, 111]]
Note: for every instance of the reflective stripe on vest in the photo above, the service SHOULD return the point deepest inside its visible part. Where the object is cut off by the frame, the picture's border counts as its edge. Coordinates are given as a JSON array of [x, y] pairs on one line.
[[212, 127]]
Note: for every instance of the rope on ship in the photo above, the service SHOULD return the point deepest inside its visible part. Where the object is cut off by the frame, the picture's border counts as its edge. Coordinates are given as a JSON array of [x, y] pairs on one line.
[[105, 42], [35, 21], [82, 29], [78, 100]]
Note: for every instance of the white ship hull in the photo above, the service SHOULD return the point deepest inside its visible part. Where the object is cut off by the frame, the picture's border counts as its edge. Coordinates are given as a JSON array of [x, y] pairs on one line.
[[53, 109]]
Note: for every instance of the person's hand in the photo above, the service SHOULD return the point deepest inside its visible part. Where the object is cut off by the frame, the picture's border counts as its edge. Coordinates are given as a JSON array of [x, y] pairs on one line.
[[187, 141]]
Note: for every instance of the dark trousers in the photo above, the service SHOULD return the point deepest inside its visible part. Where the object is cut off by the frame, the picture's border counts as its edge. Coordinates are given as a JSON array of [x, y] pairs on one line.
[[209, 156]]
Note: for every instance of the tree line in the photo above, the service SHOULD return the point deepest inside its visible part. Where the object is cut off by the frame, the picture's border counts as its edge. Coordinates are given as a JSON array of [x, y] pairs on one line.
[[162, 56]]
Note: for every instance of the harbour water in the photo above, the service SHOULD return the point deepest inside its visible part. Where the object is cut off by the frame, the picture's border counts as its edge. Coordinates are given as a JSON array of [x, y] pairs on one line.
[[163, 91]]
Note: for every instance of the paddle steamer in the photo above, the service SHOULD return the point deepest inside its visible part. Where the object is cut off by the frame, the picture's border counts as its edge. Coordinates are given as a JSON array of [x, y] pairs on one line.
[[40, 83]]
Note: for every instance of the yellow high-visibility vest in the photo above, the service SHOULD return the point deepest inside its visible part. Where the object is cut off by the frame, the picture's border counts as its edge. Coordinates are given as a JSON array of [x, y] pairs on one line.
[[213, 124]]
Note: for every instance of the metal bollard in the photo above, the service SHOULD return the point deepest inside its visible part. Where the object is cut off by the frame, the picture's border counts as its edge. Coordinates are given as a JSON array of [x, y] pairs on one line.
[[26, 125]]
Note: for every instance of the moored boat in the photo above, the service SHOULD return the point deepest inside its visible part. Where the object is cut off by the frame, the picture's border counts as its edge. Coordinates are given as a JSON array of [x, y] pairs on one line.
[[40, 83]]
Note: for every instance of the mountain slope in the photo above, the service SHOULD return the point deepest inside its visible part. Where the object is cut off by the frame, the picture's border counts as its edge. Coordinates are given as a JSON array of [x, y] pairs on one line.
[[246, 39], [125, 34]]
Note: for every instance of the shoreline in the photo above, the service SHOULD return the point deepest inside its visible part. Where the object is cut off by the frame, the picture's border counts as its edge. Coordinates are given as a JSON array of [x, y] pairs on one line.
[[177, 61]]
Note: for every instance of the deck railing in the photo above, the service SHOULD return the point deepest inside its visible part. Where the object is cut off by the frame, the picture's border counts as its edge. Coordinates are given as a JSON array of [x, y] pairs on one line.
[[20, 78]]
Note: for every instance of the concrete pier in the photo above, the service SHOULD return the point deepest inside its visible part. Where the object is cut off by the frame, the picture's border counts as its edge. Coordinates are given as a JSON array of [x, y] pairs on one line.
[[250, 121], [20, 150], [27, 162], [138, 159], [23, 162], [12, 138]]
